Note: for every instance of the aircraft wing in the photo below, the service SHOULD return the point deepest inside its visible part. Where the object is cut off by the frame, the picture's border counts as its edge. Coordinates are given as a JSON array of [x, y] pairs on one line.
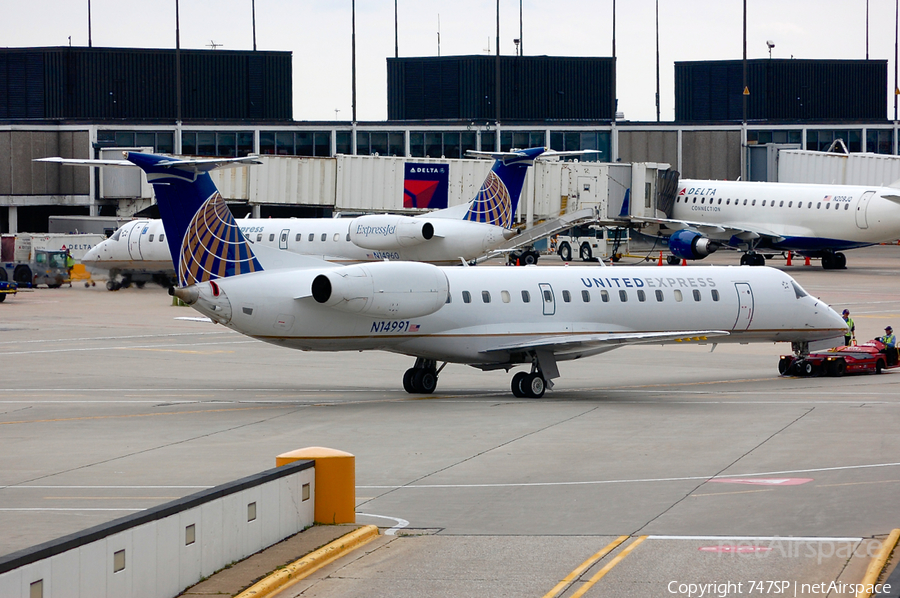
[[716, 231], [598, 343]]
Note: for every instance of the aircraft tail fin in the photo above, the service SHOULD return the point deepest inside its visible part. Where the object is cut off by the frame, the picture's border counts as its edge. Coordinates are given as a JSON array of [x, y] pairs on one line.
[[204, 239], [498, 198]]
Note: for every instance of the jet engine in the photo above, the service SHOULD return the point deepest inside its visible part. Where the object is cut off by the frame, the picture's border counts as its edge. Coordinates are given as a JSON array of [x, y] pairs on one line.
[[389, 232], [396, 290], [690, 245]]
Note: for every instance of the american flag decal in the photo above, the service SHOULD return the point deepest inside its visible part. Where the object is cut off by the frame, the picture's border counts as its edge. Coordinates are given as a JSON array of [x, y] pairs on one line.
[[213, 246], [492, 204]]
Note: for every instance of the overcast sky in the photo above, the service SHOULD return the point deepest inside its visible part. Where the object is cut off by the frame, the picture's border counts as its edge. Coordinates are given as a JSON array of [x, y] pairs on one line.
[[319, 35]]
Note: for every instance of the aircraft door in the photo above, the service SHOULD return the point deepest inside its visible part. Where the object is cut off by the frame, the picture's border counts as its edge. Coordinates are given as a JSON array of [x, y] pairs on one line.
[[547, 299], [134, 239], [283, 239], [861, 207], [745, 306]]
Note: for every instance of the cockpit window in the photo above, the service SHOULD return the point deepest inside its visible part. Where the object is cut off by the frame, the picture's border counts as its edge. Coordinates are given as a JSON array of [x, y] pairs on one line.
[[798, 290], [118, 234]]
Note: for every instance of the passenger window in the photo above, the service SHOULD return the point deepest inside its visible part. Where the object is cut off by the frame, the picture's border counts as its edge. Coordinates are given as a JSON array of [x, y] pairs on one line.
[[790, 204], [659, 295], [819, 205], [702, 200], [567, 297], [720, 201], [745, 202], [728, 202], [715, 295], [162, 236], [604, 296], [337, 237], [641, 296], [150, 239], [311, 236], [586, 296], [297, 239], [504, 296], [526, 297], [467, 298], [678, 296], [764, 203], [324, 236], [780, 204], [284, 237], [485, 296], [695, 200], [271, 237], [259, 237], [846, 206], [809, 206], [696, 295], [548, 297], [753, 203], [623, 296], [827, 205]]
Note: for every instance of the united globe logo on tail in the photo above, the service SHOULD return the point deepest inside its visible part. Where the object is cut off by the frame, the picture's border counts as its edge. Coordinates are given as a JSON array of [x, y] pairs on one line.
[[492, 204], [213, 246]]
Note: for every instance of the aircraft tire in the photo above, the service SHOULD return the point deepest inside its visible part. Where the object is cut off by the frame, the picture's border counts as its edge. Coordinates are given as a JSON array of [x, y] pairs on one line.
[[585, 252], [529, 258], [112, 285], [425, 381], [784, 365], [840, 261], [2, 297], [517, 381], [828, 261], [673, 260], [534, 386], [408, 379], [565, 251], [3, 275]]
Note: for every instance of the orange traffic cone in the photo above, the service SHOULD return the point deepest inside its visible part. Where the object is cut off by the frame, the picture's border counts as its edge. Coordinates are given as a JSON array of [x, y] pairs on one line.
[[660, 259], [789, 259], [683, 262], [806, 263]]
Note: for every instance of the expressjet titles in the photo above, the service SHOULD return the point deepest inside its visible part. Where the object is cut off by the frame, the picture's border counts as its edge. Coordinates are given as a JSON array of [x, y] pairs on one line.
[[653, 283], [375, 230]]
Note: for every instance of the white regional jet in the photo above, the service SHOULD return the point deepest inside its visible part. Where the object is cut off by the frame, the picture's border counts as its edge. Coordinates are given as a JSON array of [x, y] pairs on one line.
[[811, 220], [486, 317], [137, 251]]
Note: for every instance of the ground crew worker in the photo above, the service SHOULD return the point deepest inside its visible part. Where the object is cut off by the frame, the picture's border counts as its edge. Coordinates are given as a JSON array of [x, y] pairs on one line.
[[851, 332], [890, 343]]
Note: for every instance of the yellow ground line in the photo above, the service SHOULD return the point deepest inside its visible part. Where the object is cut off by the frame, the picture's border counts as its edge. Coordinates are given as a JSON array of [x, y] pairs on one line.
[[584, 567], [312, 562], [877, 565], [606, 569]]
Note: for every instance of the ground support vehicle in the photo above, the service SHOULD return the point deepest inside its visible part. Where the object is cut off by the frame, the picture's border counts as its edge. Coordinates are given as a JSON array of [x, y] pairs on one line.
[[7, 288], [592, 242], [869, 357], [47, 267]]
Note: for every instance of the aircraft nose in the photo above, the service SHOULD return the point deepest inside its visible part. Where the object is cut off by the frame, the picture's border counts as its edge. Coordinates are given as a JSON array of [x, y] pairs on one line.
[[93, 255]]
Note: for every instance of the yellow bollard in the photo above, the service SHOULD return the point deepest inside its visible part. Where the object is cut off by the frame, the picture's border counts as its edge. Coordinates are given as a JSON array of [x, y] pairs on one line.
[[335, 488]]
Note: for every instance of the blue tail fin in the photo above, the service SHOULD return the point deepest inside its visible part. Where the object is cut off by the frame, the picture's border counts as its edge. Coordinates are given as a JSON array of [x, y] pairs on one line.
[[498, 198], [204, 240]]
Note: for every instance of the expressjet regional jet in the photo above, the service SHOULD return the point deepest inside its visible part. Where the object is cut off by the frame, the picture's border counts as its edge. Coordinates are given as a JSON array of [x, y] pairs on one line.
[[138, 252], [487, 317], [811, 220]]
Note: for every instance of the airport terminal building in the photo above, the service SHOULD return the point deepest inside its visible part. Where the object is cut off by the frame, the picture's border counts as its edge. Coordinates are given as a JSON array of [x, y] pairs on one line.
[[84, 102]]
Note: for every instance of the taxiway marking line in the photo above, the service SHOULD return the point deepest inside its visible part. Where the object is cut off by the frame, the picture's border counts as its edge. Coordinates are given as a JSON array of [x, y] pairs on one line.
[[95, 417], [120, 348], [637, 480], [585, 566], [756, 538], [736, 492], [857, 483], [607, 568]]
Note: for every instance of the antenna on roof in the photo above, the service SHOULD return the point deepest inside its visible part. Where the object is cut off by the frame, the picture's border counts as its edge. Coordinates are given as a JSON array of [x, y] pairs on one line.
[[213, 45]]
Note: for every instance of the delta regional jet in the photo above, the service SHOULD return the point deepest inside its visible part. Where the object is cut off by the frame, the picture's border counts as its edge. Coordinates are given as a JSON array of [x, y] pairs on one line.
[[812, 220], [138, 251], [486, 317]]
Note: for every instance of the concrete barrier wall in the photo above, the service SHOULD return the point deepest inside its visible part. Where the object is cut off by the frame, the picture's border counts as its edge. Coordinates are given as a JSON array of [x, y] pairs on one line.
[[159, 552]]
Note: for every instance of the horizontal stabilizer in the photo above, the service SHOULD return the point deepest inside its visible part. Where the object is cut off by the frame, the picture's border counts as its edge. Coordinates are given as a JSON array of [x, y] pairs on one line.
[[193, 164]]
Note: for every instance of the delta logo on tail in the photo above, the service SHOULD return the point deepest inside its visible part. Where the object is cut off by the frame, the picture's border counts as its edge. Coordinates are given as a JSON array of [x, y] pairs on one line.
[[426, 185]]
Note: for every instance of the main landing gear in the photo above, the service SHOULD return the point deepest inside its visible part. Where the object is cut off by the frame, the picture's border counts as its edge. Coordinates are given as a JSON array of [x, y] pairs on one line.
[[529, 385], [422, 378], [834, 260], [751, 258]]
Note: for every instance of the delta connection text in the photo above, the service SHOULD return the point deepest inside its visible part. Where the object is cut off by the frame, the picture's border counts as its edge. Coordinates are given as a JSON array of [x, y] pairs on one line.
[[772, 588]]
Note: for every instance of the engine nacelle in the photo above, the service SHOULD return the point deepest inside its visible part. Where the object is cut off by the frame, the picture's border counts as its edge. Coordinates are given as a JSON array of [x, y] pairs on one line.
[[690, 245], [389, 232], [396, 290]]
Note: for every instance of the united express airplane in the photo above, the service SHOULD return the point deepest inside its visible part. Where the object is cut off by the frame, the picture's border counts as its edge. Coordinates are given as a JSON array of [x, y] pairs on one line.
[[486, 317], [812, 220], [138, 251]]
